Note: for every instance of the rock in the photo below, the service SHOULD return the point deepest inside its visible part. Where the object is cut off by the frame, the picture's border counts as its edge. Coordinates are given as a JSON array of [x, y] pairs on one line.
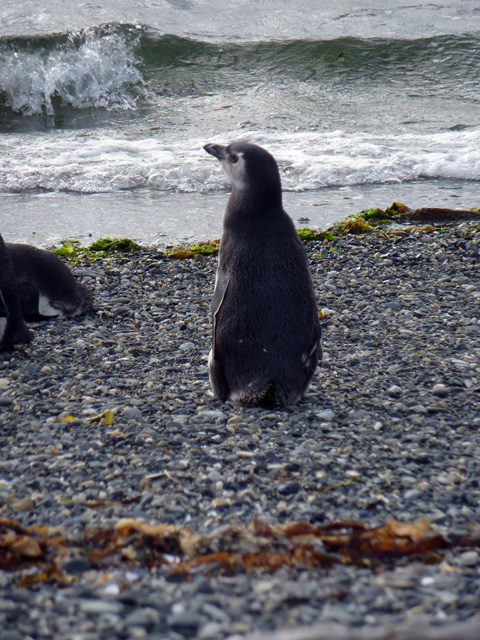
[[394, 391], [289, 488], [468, 559], [77, 566], [144, 617], [132, 413], [326, 414], [185, 623], [25, 504], [98, 607], [440, 390], [187, 346]]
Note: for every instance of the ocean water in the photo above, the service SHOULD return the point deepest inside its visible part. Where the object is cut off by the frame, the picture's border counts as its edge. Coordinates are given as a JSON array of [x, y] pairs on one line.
[[105, 108]]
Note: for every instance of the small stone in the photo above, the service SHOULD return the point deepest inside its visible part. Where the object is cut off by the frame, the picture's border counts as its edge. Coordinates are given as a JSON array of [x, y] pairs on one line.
[[394, 390], [468, 559], [210, 631], [132, 413], [211, 414], [186, 623], [351, 473], [100, 606], [440, 390], [412, 494], [419, 408], [215, 613], [325, 414], [187, 346], [214, 476], [289, 488], [145, 617], [358, 414], [25, 504], [12, 634], [394, 306], [77, 566]]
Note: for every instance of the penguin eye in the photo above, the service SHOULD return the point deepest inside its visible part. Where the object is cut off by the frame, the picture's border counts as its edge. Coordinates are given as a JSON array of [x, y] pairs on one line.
[[233, 158]]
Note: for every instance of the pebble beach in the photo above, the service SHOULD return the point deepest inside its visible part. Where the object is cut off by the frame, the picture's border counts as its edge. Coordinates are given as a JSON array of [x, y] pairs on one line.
[[108, 417]]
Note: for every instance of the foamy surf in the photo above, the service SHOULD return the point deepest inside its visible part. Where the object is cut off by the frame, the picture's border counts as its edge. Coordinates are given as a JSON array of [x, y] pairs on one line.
[[102, 163]]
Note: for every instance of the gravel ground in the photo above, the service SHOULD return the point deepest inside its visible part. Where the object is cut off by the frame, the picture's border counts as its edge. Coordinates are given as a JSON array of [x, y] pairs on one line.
[[389, 429]]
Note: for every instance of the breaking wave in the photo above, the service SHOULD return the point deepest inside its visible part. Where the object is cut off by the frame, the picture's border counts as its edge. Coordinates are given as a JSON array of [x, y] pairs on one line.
[[96, 67]]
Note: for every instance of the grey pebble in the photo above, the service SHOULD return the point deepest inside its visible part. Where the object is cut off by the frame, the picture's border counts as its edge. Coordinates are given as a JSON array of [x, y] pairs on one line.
[[468, 559], [144, 617], [12, 634], [132, 413], [440, 390], [77, 566], [394, 390], [97, 607], [325, 414], [289, 488], [185, 623]]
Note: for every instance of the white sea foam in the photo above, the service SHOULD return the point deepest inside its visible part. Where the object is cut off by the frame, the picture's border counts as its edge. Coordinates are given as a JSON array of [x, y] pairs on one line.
[[99, 72], [64, 161]]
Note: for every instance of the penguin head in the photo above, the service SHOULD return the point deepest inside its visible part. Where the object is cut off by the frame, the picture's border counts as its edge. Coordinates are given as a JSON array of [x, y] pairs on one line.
[[251, 169]]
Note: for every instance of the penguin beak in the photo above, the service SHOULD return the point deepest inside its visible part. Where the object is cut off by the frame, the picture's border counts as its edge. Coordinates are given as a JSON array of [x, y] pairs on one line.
[[216, 150]]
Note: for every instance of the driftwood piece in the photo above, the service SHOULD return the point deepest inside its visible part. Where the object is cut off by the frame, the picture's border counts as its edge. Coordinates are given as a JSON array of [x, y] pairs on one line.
[[429, 215], [412, 630]]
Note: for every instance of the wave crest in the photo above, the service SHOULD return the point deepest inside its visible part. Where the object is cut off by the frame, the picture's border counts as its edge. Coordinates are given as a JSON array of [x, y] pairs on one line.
[[96, 68]]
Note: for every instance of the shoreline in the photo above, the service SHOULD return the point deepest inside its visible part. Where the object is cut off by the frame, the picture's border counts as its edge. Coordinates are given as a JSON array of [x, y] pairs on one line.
[[388, 429], [395, 219], [157, 218]]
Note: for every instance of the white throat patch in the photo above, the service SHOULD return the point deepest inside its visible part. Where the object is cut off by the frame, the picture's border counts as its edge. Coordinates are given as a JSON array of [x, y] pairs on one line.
[[235, 171]]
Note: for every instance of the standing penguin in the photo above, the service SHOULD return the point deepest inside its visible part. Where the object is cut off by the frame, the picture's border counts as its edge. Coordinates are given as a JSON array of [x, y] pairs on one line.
[[266, 330], [13, 329], [46, 286]]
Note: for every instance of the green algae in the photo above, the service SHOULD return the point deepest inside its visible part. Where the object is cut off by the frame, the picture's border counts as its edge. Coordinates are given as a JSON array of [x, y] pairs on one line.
[[101, 248], [307, 234]]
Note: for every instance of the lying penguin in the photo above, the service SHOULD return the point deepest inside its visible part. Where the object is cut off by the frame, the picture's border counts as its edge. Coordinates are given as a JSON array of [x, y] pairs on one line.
[[46, 286], [13, 329], [266, 330]]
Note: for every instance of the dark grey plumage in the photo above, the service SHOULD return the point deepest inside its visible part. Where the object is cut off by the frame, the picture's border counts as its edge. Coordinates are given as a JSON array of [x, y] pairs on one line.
[[13, 329], [266, 330], [46, 286]]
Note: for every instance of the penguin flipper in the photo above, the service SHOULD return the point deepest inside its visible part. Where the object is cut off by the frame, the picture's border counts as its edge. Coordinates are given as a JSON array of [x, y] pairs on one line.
[[312, 355], [3, 317], [3, 307], [221, 286]]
